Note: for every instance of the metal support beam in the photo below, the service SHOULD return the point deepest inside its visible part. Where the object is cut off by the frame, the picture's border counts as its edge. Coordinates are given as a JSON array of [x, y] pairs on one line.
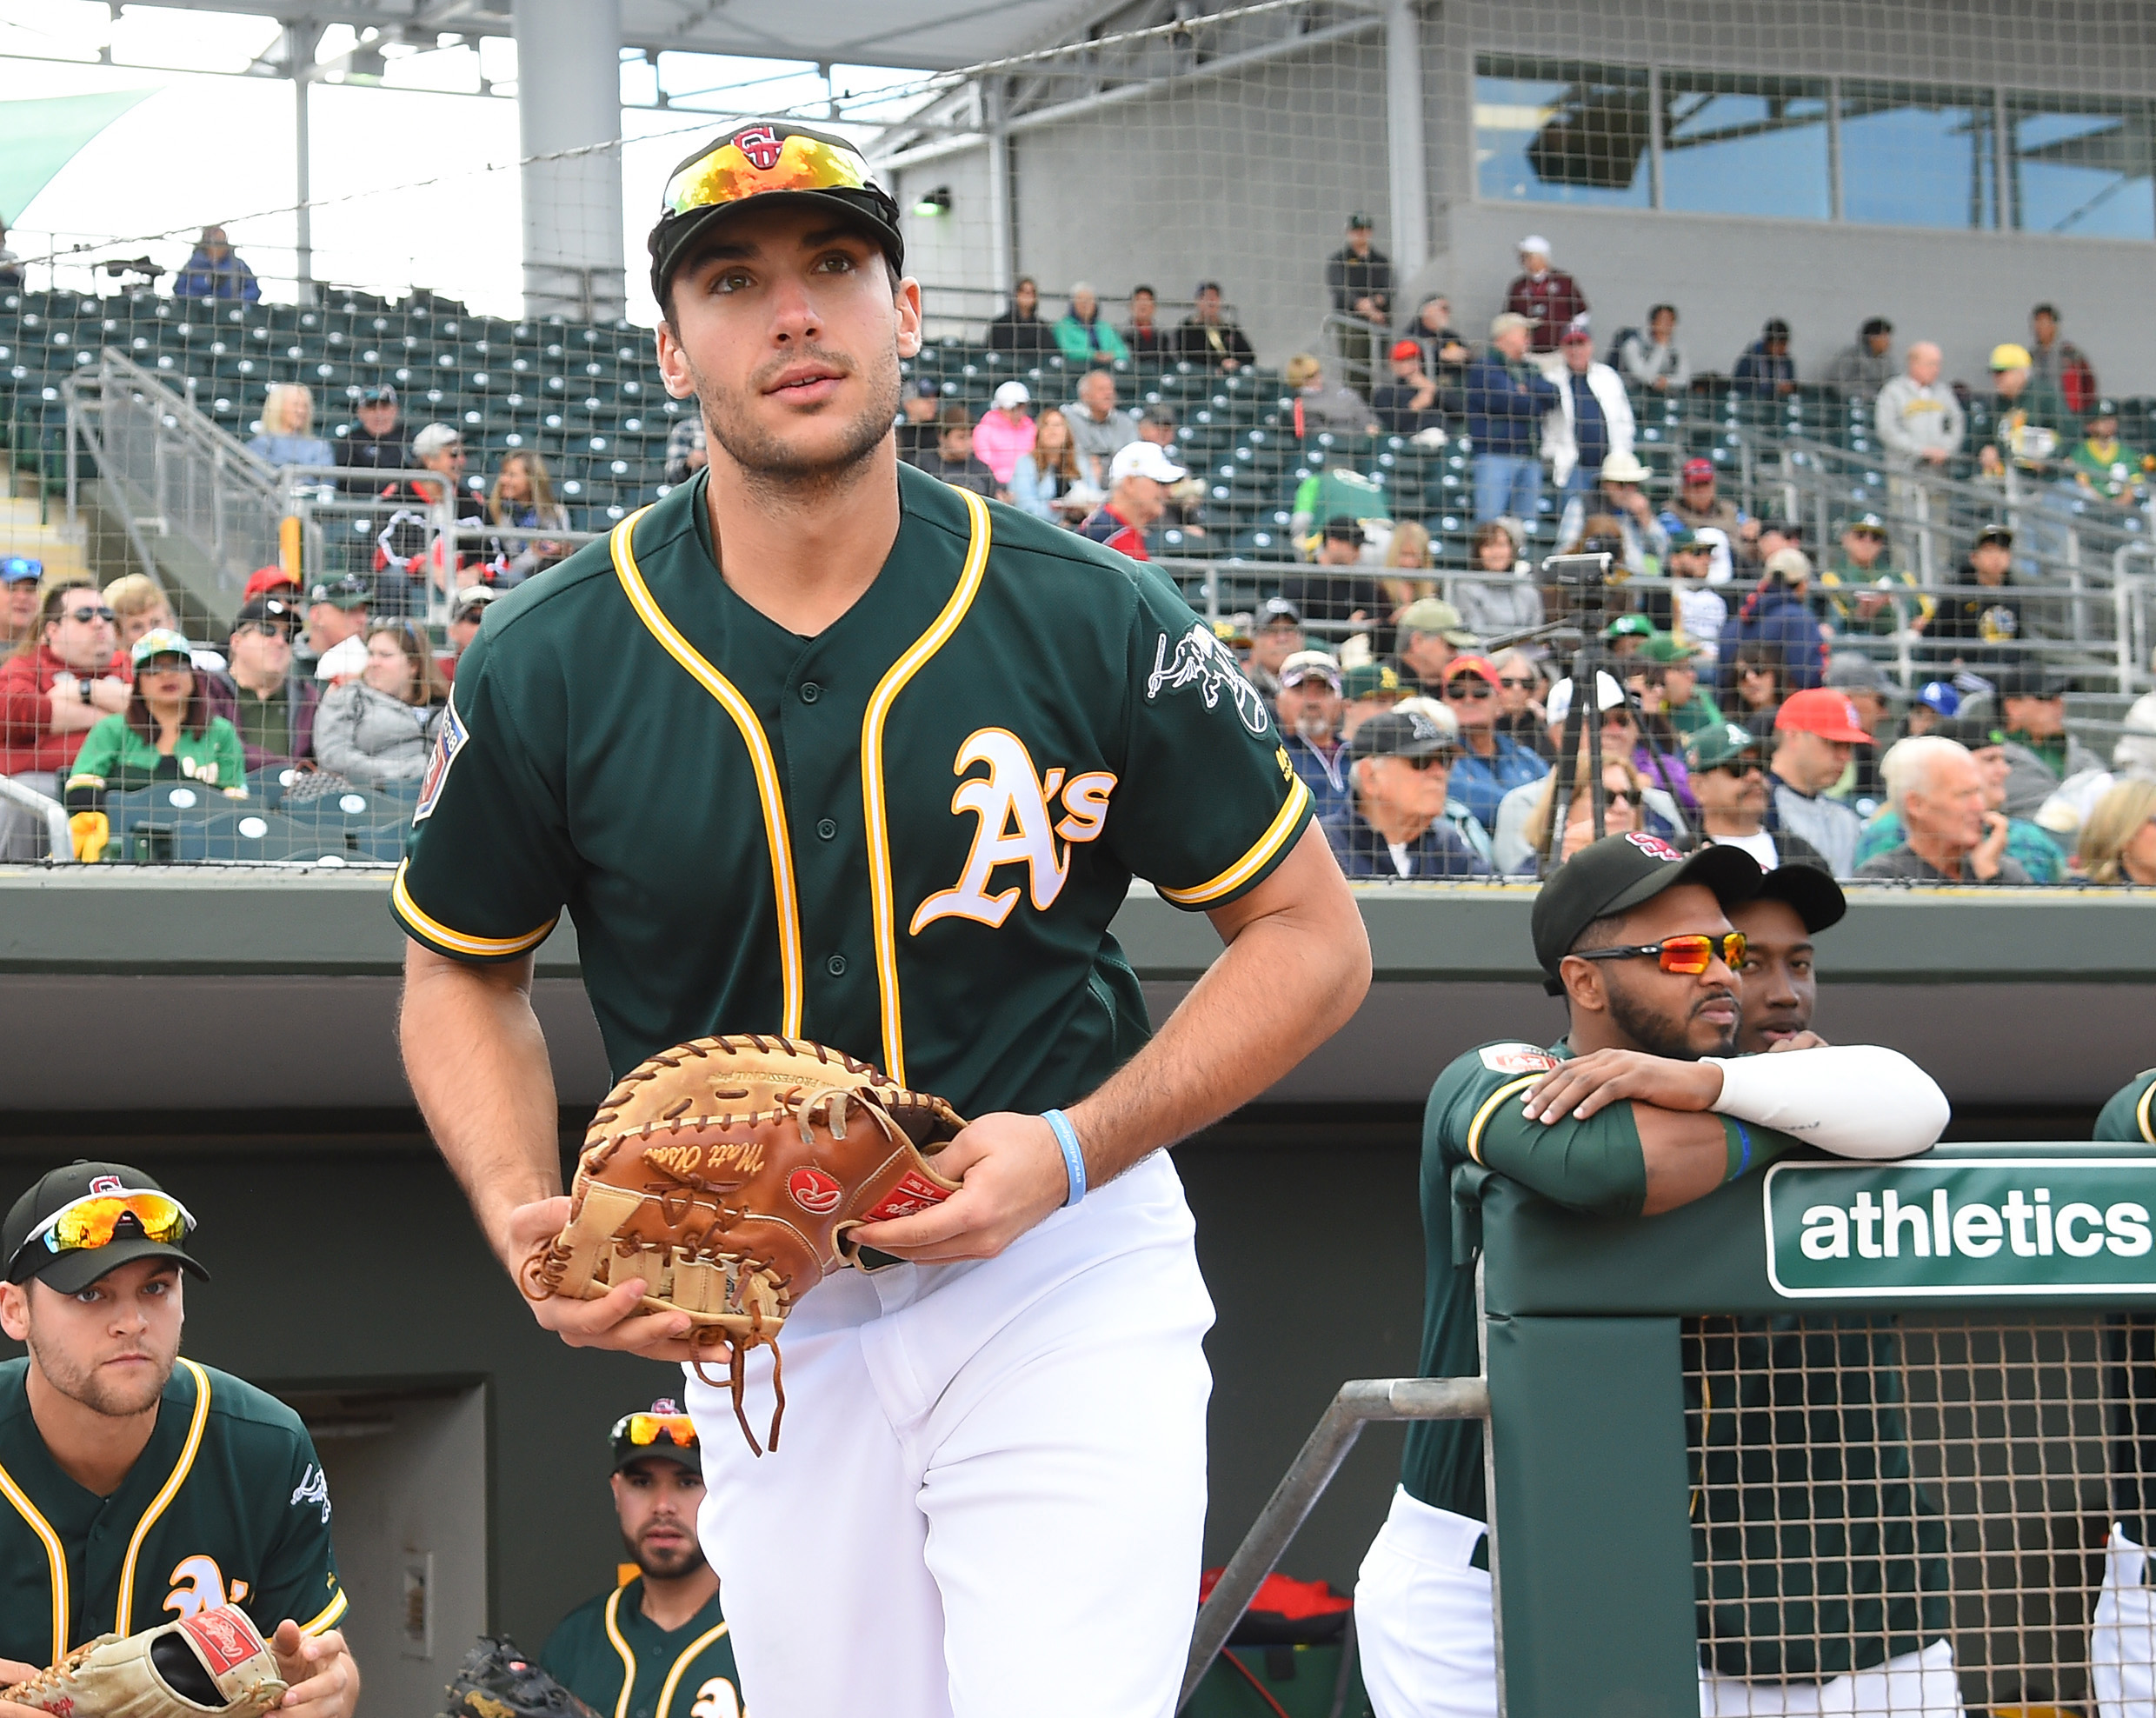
[[569, 111], [1002, 251], [1405, 154]]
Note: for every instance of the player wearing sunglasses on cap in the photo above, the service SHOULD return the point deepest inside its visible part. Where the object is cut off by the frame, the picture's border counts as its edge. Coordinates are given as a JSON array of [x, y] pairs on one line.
[[853, 652], [1643, 1106], [658, 1646], [141, 1484]]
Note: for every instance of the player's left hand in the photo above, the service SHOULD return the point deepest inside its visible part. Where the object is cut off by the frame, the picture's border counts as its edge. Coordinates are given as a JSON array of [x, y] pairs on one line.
[[1798, 1041], [324, 1679], [1593, 1082], [1012, 1175], [12, 1672]]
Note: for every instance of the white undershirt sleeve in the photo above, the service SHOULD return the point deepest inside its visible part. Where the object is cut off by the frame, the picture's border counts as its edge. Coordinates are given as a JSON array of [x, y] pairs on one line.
[[1853, 1100]]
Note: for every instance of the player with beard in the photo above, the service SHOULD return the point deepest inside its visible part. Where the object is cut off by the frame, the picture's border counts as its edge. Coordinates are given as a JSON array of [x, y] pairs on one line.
[[818, 748], [136, 1486], [657, 1646], [1642, 1107]]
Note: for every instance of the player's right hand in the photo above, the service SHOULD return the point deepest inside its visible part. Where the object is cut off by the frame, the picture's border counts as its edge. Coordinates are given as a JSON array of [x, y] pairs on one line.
[[617, 1320], [12, 1672], [1577, 1089]]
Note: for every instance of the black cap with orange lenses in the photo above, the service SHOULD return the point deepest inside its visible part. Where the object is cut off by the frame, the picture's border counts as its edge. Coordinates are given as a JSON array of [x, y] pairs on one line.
[[759, 164], [662, 1430], [80, 1222]]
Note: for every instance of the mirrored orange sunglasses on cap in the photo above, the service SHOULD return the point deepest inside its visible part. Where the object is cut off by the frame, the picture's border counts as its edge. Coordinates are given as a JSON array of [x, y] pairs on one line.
[[750, 163], [1690, 956], [93, 1220], [647, 1429]]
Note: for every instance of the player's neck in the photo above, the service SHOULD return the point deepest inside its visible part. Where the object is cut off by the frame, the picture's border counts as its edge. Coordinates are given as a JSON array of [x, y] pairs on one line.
[[671, 1603], [803, 555], [97, 1451]]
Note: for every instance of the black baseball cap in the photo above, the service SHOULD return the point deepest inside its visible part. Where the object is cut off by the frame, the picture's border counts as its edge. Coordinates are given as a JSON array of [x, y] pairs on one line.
[[2027, 679], [383, 395], [1809, 891], [661, 1430], [765, 161], [69, 1270], [1403, 733], [1343, 528], [1996, 533], [1618, 873], [267, 611]]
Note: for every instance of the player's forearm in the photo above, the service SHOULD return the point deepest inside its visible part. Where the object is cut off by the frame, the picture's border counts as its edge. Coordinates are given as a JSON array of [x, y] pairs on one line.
[[1853, 1100], [478, 1065], [1290, 977]]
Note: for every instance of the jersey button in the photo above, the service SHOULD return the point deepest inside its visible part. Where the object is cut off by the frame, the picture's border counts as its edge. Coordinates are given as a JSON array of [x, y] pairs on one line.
[[810, 691], [835, 966], [826, 828]]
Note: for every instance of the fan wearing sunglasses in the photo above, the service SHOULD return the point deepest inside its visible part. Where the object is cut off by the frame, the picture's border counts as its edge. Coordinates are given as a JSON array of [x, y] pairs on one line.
[[1728, 767], [1644, 1105], [259, 694], [141, 1483], [624, 1650], [1400, 820], [62, 680], [1491, 764]]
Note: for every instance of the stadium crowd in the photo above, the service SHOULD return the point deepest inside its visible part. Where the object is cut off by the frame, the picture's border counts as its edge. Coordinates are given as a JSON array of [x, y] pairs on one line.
[[1748, 697]]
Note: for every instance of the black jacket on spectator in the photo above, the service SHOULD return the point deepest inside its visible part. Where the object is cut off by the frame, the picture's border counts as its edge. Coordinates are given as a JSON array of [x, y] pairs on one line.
[[1761, 373], [1150, 343], [1027, 336], [1394, 402], [1979, 624], [1210, 342], [1349, 277], [364, 454]]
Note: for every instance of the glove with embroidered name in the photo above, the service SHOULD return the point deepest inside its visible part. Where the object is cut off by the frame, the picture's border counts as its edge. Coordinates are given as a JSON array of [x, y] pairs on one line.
[[729, 1174]]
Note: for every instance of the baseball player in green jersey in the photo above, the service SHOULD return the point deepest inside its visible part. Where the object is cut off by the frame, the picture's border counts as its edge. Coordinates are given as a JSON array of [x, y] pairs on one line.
[[2122, 1632], [658, 1644], [819, 746], [136, 1485], [1642, 1107]]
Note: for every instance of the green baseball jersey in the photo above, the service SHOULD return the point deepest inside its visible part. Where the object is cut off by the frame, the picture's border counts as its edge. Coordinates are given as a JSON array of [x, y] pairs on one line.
[[904, 838], [622, 1664], [226, 1504], [2113, 470], [2128, 1114]]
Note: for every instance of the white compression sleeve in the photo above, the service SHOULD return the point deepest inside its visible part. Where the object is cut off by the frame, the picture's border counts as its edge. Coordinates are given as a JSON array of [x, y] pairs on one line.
[[1853, 1100]]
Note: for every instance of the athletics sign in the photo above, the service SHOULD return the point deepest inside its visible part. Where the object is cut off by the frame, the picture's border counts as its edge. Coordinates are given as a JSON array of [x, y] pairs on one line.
[[1997, 1226]]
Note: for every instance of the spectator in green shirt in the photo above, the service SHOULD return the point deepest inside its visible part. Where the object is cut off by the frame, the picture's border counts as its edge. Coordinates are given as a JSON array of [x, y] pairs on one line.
[[1083, 337], [166, 731], [2105, 467]]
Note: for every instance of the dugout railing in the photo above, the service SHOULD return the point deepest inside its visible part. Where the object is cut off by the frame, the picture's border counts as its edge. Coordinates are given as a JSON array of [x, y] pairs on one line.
[[1831, 1408]]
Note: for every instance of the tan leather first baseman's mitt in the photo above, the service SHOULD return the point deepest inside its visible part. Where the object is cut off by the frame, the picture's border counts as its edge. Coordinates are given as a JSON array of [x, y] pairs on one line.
[[214, 1661], [729, 1174]]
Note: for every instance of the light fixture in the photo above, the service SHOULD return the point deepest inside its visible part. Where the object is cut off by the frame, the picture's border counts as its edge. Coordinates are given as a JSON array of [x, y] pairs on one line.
[[935, 204]]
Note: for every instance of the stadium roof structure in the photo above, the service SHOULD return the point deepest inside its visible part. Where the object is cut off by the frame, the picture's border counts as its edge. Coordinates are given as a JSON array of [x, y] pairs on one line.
[[932, 35]]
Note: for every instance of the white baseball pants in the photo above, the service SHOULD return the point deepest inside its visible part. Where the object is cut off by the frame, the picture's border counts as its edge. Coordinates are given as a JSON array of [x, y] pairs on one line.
[[1429, 1650], [2122, 1634], [989, 1493]]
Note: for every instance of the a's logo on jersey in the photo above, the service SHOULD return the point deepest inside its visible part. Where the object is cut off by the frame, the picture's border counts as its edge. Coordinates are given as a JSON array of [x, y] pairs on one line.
[[448, 740], [1016, 827], [313, 1488], [1202, 661], [814, 1191], [761, 145], [716, 1699], [105, 1183], [198, 1585], [1516, 1059], [1655, 848]]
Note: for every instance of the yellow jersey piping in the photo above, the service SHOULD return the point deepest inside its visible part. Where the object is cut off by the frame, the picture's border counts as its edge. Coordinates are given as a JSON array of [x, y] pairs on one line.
[[2141, 1113], [731, 700], [123, 1612], [56, 1553], [422, 924], [327, 1617], [688, 1652], [1251, 862], [1510, 1088], [883, 913], [613, 1634]]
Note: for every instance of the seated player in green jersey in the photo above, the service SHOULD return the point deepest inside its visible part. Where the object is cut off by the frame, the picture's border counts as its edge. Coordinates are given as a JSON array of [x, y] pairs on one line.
[[2122, 1634], [141, 1485], [1643, 1106], [657, 1646]]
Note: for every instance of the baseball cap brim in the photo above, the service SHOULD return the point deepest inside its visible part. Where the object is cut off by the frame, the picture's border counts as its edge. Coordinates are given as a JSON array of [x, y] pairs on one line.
[[1815, 896], [628, 1454], [71, 1273]]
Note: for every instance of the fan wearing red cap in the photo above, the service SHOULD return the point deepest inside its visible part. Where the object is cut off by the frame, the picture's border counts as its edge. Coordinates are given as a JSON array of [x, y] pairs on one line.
[[1406, 405], [1816, 733], [1699, 505], [1643, 1105]]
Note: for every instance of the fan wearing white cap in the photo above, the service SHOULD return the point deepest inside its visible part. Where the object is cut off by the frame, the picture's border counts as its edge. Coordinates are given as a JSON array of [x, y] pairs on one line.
[[1138, 478], [1548, 298], [1620, 738], [1004, 434]]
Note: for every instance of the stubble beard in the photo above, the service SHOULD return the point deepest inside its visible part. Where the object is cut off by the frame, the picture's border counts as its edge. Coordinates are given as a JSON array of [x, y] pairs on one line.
[[772, 468], [89, 1386], [666, 1565]]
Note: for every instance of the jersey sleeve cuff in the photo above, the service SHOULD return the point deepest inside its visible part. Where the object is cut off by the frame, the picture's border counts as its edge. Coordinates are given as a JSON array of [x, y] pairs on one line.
[[1255, 865], [330, 1614], [458, 945]]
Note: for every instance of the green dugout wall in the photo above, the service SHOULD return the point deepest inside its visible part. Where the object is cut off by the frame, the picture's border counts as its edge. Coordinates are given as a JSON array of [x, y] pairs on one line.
[[1972, 1320]]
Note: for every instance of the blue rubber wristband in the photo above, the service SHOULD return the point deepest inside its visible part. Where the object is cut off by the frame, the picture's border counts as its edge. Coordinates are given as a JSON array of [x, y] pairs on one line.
[[1074, 1159]]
